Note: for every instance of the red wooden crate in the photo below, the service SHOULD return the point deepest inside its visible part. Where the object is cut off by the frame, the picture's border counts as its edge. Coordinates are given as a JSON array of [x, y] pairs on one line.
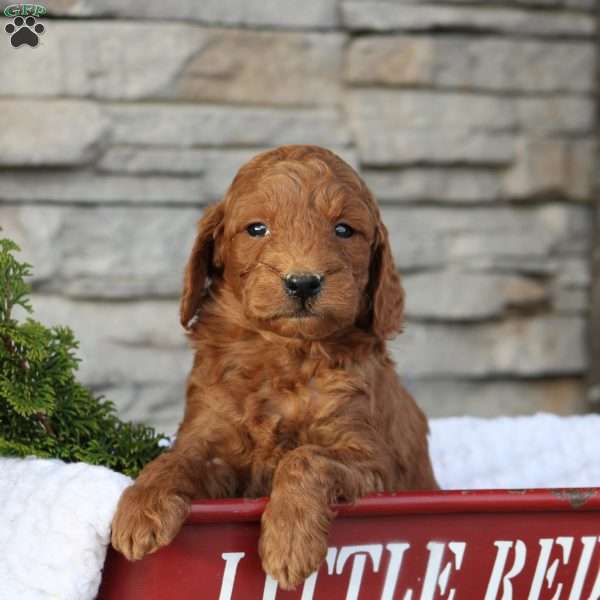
[[481, 545]]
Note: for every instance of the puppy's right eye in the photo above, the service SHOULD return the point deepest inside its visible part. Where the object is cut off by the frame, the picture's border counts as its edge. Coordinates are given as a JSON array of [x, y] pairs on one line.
[[257, 229]]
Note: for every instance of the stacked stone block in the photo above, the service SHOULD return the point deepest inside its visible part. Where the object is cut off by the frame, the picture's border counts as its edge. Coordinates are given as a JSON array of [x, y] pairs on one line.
[[473, 123]]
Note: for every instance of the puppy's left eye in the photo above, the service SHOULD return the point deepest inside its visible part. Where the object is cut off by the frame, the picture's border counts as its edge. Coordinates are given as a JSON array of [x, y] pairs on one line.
[[257, 229], [343, 230]]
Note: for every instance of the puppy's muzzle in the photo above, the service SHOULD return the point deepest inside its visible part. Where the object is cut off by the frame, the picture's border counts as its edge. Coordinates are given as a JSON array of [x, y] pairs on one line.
[[303, 285]]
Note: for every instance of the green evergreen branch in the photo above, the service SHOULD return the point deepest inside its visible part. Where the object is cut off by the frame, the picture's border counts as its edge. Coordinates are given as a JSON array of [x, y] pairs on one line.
[[44, 410]]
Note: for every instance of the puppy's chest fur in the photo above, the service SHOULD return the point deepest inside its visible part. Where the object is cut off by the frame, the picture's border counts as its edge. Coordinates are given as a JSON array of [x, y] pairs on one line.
[[278, 401], [282, 415], [278, 417]]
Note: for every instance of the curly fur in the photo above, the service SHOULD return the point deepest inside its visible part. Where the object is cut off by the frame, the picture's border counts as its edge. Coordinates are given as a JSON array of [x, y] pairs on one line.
[[306, 409]]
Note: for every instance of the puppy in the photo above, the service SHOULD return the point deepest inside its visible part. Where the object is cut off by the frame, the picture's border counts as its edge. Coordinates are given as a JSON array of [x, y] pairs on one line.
[[289, 296]]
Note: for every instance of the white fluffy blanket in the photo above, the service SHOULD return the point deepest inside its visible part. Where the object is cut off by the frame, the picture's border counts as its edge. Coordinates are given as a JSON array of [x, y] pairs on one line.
[[55, 518], [54, 527], [516, 452]]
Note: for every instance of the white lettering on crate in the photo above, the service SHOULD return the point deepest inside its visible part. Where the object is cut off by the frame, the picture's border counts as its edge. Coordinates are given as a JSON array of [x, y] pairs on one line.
[[445, 559]]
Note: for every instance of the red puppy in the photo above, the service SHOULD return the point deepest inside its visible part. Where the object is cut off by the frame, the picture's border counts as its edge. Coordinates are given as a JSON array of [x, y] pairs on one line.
[[289, 296]]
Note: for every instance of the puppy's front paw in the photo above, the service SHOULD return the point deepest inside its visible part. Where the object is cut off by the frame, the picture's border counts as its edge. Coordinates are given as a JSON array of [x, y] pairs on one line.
[[146, 519], [292, 544]]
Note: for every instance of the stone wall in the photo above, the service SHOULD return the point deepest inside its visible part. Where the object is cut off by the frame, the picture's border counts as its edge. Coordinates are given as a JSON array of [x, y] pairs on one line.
[[472, 122]]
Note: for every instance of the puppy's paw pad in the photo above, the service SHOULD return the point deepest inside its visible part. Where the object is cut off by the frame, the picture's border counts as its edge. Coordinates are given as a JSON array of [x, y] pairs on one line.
[[291, 553], [146, 520]]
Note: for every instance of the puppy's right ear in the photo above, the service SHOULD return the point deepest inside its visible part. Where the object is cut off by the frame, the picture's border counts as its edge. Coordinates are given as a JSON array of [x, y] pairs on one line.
[[205, 261]]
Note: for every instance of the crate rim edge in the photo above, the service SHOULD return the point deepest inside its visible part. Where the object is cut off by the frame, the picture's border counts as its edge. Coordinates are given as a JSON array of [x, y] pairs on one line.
[[416, 503]]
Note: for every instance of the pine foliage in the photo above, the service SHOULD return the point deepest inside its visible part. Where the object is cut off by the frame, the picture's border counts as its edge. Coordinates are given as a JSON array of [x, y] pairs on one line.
[[44, 411]]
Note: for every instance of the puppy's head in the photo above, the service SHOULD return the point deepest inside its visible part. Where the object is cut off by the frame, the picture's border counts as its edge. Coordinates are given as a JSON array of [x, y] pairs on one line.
[[299, 241]]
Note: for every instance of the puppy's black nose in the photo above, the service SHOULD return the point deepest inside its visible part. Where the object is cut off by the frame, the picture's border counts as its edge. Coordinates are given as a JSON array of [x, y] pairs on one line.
[[302, 285]]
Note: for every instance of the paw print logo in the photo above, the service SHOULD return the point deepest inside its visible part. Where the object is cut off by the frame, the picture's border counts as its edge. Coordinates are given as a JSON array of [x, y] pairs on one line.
[[24, 31]]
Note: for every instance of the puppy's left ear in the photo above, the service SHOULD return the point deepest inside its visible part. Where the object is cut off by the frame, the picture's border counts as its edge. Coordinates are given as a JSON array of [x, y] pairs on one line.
[[204, 263], [385, 289]]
